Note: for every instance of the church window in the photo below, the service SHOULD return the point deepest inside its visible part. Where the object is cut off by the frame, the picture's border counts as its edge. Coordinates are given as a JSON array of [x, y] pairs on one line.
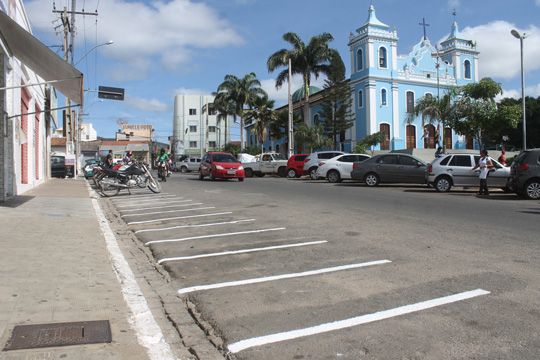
[[383, 97], [382, 57], [316, 120], [192, 111], [410, 101], [360, 99], [359, 60], [467, 69]]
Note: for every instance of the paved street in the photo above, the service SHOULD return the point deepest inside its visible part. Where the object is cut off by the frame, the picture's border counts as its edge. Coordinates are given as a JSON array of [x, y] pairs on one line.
[[299, 269]]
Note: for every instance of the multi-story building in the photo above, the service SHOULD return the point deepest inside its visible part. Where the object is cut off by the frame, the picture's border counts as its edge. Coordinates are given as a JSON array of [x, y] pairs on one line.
[[196, 131]]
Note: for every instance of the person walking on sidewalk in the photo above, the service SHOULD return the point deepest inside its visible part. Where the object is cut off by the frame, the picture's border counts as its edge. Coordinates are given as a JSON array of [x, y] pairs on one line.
[[485, 164], [110, 159]]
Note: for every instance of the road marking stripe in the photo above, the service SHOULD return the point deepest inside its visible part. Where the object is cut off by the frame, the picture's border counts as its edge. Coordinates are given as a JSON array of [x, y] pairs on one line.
[[198, 225], [178, 218], [147, 330], [135, 197], [149, 203], [213, 235], [170, 211], [242, 251], [280, 277], [364, 319], [158, 207]]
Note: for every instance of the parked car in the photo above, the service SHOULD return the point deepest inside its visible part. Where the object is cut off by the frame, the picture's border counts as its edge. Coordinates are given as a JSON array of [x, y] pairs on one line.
[[221, 165], [270, 163], [188, 165], [295, 165], [58, 166], [525, 174], [311, 163], [454, 170], [340, 167], [390, 168]]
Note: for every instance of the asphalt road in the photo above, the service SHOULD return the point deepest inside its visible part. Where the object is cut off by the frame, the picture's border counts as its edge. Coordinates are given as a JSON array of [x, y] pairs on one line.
[[402, 272]]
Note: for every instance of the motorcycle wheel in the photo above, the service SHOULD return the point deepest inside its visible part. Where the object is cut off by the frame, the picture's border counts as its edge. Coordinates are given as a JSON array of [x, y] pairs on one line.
[[141, 181], [154, 185], [109, 189]]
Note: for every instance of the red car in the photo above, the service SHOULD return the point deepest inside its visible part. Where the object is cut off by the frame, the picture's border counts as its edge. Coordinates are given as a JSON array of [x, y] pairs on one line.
[[221, 165], [295, 165]]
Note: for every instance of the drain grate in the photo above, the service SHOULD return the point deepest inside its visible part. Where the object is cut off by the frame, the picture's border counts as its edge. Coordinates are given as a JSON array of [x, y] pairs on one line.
[[59, 334]]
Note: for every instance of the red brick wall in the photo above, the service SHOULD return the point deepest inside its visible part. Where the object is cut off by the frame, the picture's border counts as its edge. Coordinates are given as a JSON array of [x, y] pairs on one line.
[[25, 100], [36, 144]]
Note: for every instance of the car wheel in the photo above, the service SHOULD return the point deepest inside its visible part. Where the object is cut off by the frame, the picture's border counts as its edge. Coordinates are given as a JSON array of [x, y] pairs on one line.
[[291, 173], [443, 184], [313, 173], [249, 172], [371, 179], [282, 171], [201, 176], [240, 179], [183, 169], [333, 176], [532, 190], [211, 176]]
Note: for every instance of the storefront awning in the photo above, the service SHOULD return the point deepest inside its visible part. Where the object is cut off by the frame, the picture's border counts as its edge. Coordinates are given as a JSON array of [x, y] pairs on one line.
[[43, 61]]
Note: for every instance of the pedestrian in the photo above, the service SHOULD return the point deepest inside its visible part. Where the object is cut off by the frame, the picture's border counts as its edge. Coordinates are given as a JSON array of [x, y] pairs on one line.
[[502, 158], [127, 157], [426, 138], [439, 152], [485, 164], [110, 159]]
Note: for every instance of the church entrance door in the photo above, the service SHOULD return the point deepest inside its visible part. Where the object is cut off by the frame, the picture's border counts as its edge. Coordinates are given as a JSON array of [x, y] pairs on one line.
[[386, 128], [411, 136], [431, 139], [448, 138]]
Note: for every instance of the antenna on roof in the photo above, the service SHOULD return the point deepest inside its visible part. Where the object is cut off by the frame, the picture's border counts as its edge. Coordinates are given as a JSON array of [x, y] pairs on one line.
[[454, 13]]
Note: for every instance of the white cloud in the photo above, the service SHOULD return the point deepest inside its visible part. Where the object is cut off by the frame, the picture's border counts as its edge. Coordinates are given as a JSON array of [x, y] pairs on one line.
[[143, 32], [146, 104], [281, 96], [184, 91], [533, 91], [500, 51]]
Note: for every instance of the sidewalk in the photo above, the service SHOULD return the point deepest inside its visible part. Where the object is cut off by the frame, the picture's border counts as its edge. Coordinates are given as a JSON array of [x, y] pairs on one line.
[[55, 267]]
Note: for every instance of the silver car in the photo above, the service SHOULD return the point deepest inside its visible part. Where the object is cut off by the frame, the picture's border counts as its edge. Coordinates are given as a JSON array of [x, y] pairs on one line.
[[311, 163], [187, 165], [390, 168], [454, 170]]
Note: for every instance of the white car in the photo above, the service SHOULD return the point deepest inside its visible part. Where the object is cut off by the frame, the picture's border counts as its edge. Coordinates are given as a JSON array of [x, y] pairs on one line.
[[339, 167]]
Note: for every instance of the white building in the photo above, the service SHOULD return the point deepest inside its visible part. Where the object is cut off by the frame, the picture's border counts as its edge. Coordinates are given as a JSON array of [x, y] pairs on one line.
[[88, 133], [195, 131]]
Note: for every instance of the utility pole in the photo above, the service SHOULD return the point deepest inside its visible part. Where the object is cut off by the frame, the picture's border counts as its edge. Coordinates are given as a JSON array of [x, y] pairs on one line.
[[290, 122]]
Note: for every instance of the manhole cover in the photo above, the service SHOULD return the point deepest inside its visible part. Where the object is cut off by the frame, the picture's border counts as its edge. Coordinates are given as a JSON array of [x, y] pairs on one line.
[[59, 334]]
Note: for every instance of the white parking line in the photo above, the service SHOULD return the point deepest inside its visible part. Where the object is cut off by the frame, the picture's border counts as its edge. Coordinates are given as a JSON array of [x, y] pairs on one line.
[[178, 218], [213, 235], [242, 251], [280, 277], [159, 207], [139, 197], [198, 225], [170, 211], [364, 319], [149, 203]]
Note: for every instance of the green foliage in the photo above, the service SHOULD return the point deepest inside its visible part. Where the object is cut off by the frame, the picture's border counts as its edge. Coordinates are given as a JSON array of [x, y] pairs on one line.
[[232, 148], [312, 137], [370, 141], [252, 150], [279, 126], [515, 135], [336, 113]]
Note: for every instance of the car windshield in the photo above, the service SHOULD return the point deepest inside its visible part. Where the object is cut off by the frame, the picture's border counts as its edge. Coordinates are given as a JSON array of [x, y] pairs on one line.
[[224, 158], [279, 156]]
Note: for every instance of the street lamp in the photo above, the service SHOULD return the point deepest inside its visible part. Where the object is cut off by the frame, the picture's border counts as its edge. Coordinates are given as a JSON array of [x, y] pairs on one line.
[[110, 42], [517, 35]]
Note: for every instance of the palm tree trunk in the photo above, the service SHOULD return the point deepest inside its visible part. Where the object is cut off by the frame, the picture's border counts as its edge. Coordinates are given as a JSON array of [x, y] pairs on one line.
[[242, 128]]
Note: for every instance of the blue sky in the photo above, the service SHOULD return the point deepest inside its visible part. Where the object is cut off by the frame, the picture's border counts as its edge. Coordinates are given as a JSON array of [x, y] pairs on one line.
[[170, 47]]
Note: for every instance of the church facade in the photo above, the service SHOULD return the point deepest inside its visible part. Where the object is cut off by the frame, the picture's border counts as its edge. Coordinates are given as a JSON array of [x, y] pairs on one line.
[[384, 86]]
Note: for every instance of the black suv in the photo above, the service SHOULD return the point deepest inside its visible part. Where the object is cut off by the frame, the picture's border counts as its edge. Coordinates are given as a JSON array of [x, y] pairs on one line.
[[525, 174]]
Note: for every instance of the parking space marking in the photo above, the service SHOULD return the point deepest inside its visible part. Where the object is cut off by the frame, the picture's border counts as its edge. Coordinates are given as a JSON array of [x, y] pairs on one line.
[[242, 251], [198, 225], [178, 218], [148, 203], [364, 319], [170, 211], [213, 235], [159, 207], [135, 197], [280, 277]]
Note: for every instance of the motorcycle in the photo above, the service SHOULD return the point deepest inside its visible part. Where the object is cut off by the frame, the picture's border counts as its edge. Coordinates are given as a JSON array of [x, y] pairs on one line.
[[127, 177], [162, 170]]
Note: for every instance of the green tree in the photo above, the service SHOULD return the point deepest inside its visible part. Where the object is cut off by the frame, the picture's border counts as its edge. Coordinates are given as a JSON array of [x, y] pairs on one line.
[[232, 148], [306, 60], [241, 92], [515, 135], [252, 150], [434, 110], [278, 128], [480, 116], [260, 116], [224, 108], [312, 137], [370, 141], [336, 113]]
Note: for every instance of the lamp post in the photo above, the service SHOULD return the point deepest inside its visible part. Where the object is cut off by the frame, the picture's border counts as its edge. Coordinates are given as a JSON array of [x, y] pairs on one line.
[[517, 35], [110, 42]]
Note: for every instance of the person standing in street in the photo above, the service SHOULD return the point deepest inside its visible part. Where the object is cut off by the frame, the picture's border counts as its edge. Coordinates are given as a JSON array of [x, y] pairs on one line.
[[110, 159], [426, 138], [502, 158], [127, 157], [484, 164]]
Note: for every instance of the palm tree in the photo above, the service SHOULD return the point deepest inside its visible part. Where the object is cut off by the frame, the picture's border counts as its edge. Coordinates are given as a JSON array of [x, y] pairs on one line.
[[223, 107], [241, 92], [314, 137], [306, 60], [278, 128], [260, 116]]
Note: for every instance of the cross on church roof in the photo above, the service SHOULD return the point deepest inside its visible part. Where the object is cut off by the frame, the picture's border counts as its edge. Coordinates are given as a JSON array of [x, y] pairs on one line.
[[423, 23]]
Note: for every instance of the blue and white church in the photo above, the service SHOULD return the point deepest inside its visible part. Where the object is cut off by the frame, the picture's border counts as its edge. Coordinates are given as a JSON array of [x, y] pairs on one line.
[[385, 86]]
